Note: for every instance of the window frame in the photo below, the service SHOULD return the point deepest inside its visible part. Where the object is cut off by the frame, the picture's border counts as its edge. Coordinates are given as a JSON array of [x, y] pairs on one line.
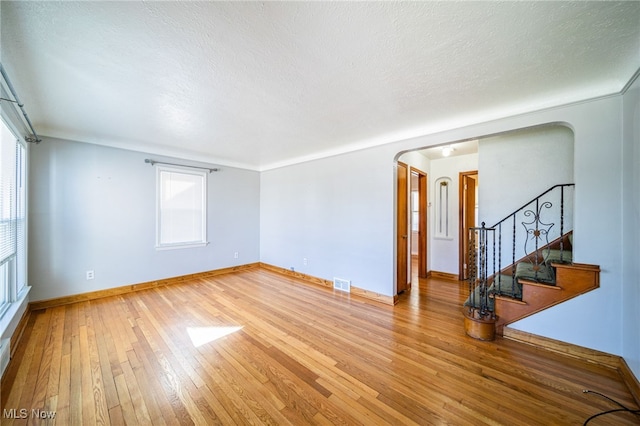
[[203, 240], [13, 270], [415, 210]]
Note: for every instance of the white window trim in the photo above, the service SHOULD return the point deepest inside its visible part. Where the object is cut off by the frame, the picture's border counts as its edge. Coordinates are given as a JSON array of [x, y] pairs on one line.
[[172, 246], [18, 298]]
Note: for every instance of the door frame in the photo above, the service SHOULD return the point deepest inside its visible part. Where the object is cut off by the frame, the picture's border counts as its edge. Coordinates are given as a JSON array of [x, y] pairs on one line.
[[422, 221], [464, 178], [403, 277]]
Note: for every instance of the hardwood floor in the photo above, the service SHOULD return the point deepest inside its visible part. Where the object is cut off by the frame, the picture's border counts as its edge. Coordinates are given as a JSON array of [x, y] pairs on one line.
[[292, 354]]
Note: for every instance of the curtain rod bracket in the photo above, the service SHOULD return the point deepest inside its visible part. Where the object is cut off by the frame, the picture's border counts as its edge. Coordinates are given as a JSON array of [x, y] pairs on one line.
[[33, 139], [154, 162]]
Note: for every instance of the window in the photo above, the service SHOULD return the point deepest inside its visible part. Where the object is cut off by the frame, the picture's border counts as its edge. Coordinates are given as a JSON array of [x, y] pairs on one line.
[[182, 208], [415, 211], [13, 218]]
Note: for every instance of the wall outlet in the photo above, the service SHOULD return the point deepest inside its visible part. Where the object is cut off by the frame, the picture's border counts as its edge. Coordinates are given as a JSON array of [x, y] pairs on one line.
[[90, 275], [235, 255], [304, 261]]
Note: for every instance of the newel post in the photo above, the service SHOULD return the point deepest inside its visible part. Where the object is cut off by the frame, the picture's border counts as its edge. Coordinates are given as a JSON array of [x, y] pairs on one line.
[[479, 311]]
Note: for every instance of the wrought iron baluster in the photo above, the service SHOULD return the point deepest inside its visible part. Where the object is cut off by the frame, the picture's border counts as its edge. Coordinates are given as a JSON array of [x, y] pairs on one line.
[[482, 272], [561, 222], [513, 258], [499, 258], [471, 268], [493, 272], [481, 245], [483, 305], [536, 234]]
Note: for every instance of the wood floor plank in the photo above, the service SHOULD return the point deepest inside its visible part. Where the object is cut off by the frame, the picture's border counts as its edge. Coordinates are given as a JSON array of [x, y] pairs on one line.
[[263, 403], [146, 388], [158, 402], [57, 335], [299, 354], [35, 385], [64, 390], [243, 401], [161, 360], [105, 349], [76, 397], [45, 371], [127, 410]]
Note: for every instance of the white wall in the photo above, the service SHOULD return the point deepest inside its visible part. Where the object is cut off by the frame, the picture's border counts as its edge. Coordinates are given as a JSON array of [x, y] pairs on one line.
[[337, 213], [518, 166], [631, 229], [93, 208], [597, 231], [301, 213]]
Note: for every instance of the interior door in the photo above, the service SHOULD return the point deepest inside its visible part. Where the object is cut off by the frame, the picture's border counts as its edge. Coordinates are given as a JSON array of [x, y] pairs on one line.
[[402, 230], [468, 190]]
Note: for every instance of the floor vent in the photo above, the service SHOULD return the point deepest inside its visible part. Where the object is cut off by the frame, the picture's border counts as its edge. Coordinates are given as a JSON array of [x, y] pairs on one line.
[[4, 355], [343, 285]]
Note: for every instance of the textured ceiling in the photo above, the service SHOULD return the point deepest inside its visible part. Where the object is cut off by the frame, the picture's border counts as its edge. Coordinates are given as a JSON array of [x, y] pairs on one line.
[[261, 84]]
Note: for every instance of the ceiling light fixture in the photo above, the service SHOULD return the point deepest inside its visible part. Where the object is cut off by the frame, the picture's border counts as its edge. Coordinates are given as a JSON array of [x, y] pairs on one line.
[[446, 151]]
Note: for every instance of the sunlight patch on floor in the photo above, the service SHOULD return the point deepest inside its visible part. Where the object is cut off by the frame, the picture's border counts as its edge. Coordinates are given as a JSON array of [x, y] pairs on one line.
[[203, 335]]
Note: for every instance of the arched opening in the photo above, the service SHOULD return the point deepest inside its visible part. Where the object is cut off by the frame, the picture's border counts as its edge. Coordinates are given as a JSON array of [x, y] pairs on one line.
[[506, 169]]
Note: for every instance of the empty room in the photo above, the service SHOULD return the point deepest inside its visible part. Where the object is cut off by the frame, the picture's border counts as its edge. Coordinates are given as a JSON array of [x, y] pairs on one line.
[[349, 213]]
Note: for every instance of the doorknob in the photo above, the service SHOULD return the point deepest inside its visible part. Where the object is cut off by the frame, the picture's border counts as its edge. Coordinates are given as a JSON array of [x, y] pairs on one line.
[[405, 236]]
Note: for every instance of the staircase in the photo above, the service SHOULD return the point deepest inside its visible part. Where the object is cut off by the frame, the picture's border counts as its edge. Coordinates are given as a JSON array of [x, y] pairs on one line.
[[535, 244]]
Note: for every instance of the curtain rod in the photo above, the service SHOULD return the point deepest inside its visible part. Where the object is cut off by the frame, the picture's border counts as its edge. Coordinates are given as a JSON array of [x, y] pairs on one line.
[[35, 138], [153, 162]]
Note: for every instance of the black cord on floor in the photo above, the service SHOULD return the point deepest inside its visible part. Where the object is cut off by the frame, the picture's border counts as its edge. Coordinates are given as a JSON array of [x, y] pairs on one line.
[[615, 410]]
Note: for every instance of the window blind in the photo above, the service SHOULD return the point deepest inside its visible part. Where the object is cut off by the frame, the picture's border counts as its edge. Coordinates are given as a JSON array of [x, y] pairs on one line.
[[21, 223], [8, 195], [182, 207]]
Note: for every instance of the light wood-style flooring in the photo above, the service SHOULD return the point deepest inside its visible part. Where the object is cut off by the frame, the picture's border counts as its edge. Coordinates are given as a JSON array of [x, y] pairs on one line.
[[256, 347]]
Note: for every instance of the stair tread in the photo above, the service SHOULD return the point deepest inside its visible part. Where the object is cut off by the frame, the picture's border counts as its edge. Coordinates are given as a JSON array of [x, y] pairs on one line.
[[540, 273], [504, 286], [474, 299], [511, 300], [539, 284], [557, 256], [576, 266]]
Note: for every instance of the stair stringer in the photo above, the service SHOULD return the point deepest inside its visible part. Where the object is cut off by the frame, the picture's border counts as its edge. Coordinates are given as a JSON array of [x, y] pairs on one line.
[[572, 280]]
